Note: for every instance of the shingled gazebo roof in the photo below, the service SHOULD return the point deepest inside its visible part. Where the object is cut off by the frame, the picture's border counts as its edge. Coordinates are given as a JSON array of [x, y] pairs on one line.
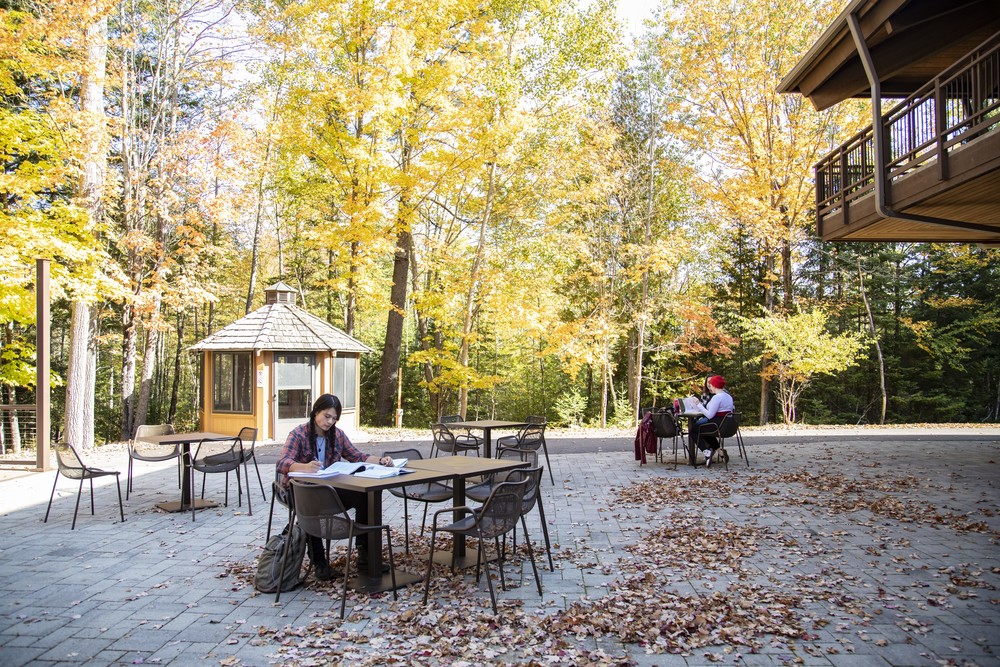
[[280, 325]]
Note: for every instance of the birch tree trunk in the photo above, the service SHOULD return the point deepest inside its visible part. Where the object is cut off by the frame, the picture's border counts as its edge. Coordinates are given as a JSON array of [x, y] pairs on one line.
[[463, 356], [81, 372]]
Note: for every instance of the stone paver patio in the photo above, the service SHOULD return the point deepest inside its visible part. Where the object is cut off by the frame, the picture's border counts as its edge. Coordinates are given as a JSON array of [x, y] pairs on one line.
[[883, 544]]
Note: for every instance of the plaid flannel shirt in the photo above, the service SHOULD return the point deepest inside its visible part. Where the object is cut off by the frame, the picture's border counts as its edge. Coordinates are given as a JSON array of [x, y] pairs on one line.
[[297, 449]]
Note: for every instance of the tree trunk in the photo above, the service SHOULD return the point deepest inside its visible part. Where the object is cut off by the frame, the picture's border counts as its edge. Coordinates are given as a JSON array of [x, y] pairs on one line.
[[172, 411], [878, 346], [463, 356], [81, 372], [389, 376], [765, 385], [148, 365]]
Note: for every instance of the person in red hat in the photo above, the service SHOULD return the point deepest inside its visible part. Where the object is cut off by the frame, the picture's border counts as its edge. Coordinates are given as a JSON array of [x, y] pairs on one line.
[[718, 406]]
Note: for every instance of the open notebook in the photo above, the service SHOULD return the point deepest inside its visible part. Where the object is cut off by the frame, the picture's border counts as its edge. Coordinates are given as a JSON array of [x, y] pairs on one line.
[[359, 469]]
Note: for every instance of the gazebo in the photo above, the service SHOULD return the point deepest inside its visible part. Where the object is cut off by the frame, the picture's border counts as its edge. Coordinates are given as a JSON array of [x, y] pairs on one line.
[[266, 369]]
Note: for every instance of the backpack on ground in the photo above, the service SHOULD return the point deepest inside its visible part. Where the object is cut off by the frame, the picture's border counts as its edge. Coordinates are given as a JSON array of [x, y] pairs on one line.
[[269, 565]]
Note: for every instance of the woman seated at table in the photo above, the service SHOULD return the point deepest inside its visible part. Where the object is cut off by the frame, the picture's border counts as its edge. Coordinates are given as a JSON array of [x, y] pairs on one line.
[[315, 445], [720, 405]]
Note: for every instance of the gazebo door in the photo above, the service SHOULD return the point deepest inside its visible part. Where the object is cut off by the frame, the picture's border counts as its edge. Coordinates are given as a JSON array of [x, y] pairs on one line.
[[294, 385]]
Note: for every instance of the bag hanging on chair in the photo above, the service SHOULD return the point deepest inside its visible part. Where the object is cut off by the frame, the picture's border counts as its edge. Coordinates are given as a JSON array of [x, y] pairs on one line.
[[269, 565]]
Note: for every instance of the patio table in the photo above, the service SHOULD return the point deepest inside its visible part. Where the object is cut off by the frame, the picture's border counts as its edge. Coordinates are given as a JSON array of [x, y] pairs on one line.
[[185, 440], [486, 426]]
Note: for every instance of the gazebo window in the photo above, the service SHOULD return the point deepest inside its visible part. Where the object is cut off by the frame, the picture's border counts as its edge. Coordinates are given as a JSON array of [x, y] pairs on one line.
[[231, 373], [345, 380]]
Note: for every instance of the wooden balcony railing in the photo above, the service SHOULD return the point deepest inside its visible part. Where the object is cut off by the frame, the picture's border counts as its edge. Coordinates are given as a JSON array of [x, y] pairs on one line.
[[955, 108]]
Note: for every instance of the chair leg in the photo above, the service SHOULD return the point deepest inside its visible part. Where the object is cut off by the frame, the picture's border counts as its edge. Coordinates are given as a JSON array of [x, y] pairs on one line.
[[430, 563], [548, 464], [203, 475], [545, 532], [489, 579], [79, 492], [259, 480], [284, 557], [270, 517], [121, 508], [501, 559], [51, 496], [531, 554], [91, 496], [392, 563], [192, 492], [246, 476], [128, 484], [406, 523], [347, 571], [424, 520]]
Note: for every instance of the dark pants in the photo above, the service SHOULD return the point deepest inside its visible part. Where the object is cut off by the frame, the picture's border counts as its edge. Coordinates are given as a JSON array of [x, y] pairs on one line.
[[351, 500], [704, 442]]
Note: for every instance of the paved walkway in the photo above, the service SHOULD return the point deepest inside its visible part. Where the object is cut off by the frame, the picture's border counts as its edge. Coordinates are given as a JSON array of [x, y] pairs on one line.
[[835, 548]]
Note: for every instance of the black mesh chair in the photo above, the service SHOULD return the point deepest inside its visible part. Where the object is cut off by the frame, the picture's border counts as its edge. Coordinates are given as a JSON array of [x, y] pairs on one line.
[[497, 517], [530, 437], [665, 426], [466, 438], [220, 455], [422, 492], [319, 512], [248, 435], [729, 427], [72, 466], [141, 450], [445, 441], [532, 496]]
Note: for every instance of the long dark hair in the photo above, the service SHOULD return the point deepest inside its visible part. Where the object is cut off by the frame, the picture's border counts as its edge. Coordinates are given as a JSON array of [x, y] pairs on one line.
[[324, 402]]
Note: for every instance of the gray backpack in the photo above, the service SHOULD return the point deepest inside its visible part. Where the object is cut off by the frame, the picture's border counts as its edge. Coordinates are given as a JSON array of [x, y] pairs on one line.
[[269, 565]]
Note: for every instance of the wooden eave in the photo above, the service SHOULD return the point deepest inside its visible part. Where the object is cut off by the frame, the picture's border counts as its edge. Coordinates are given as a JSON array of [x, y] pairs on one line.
[[911, 41]]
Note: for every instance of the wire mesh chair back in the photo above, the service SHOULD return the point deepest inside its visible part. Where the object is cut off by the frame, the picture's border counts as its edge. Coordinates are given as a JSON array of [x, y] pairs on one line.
[[533, 476], [536, 419], [728, 426], [148, 451], [319, 512], [218, 455], [502, 510], [69, 462], [531, 437], [444, 439], [450, 419], [248, 436]]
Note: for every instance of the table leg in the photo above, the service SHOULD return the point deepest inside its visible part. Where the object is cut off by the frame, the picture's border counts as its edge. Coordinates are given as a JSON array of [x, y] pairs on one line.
[[186, 500], [374, 580], [487, 445], [692, 449]]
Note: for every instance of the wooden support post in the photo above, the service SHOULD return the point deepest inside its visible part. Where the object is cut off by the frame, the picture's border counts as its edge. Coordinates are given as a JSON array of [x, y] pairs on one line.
[[43, 325]]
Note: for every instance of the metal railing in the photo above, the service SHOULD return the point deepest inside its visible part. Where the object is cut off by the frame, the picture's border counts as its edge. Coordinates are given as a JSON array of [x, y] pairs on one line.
[[17, 429], [956, 107]]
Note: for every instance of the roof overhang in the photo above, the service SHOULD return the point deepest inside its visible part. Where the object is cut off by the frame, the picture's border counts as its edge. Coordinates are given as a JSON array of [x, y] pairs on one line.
[[911, 41]]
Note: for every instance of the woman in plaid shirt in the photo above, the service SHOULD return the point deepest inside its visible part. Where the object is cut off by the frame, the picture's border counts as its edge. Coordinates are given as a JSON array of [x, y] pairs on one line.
[[315, 445]]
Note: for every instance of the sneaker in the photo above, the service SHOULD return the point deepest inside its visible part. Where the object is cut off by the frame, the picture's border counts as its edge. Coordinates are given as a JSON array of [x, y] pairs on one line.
[[708, 458]]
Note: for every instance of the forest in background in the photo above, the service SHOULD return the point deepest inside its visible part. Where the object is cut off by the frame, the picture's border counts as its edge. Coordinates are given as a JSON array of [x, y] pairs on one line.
[[520, 208]]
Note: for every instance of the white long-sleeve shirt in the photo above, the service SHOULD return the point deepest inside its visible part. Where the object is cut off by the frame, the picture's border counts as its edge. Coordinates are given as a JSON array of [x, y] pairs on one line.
[[720, 402]]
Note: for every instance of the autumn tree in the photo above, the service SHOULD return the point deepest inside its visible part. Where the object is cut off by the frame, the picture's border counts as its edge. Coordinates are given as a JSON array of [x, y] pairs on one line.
[[797, 347], [757, 146]]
